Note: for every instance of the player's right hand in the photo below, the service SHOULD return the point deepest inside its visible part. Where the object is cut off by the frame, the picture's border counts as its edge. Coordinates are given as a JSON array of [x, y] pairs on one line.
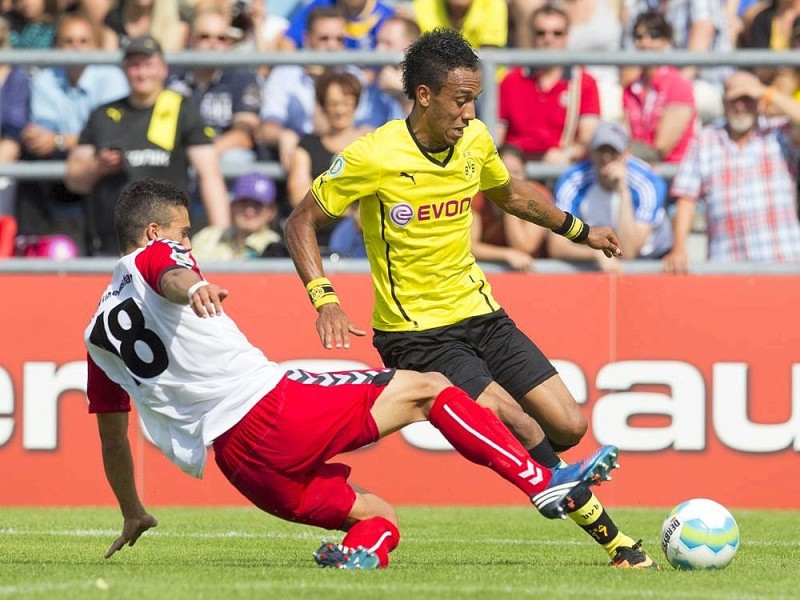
[[604, 239], [132, 529], [207, 300], [334, 327]]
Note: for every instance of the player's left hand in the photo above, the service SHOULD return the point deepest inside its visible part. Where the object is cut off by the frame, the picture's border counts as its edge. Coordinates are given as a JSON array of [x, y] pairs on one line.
[[603, 238], [132, 529], [334, 327]]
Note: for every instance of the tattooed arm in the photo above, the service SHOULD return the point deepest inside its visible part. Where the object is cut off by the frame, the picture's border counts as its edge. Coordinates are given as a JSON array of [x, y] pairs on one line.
[[525, 201]]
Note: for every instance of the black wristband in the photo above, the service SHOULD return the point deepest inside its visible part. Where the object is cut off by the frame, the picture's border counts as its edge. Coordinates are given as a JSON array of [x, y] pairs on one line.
[[566, 225], [583, 234], [573, 229]]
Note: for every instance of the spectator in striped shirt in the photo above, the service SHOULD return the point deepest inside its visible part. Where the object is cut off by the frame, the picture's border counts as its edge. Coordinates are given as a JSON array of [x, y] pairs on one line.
[[614, 189], [745, 170]]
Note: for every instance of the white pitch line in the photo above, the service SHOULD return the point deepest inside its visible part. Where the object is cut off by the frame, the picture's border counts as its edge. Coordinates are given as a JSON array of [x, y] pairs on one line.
[[41, 588], [276, 535], [318, 535], [156, 533]]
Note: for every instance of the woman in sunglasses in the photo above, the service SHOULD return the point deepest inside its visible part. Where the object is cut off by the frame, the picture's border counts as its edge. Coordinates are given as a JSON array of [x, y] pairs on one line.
[[659, 105]]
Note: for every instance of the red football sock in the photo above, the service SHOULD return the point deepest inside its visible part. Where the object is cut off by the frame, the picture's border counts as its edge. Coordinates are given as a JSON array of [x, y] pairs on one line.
[[480, 437], [377, 534]]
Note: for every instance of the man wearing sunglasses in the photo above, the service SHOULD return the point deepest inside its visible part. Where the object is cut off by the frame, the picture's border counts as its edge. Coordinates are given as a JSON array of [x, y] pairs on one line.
[[229, 99]]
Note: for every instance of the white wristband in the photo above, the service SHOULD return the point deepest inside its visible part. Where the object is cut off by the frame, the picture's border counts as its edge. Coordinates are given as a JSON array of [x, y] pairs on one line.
[[195, 287]]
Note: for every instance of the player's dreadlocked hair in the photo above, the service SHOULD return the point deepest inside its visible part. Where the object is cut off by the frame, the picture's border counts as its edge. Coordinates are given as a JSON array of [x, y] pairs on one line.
[[143, 202], [428, 60]]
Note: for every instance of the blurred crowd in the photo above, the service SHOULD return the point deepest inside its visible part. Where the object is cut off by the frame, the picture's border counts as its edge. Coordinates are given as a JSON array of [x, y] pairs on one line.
[[733, 136]]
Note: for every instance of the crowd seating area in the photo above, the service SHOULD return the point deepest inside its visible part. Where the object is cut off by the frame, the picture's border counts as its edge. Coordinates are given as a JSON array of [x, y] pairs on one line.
[[552, 71]]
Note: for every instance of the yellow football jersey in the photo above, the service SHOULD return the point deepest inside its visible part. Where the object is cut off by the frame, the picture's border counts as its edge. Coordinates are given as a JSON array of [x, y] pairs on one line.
[[416, 216]]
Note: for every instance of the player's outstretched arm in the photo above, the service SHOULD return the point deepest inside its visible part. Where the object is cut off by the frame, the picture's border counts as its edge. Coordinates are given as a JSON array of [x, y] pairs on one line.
[[525, 201], [333, 325], [118, 465]]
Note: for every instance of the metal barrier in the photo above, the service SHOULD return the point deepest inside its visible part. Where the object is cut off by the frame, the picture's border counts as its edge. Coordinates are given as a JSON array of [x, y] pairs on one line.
[[492, 59], [359, 265]]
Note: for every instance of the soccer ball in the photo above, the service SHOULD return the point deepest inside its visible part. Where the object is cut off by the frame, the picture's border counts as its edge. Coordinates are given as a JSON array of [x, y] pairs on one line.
[[699, 534]]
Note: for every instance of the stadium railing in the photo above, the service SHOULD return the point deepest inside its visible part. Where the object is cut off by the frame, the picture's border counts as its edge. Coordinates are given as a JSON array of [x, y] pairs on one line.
[[492, 59], [359, 265]]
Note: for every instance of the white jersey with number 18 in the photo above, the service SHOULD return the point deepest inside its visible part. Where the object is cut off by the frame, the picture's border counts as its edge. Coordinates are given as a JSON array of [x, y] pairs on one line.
[[191, 378]]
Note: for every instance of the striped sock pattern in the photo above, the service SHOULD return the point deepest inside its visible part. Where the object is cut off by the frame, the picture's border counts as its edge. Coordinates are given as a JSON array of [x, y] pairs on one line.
[[480, 437]]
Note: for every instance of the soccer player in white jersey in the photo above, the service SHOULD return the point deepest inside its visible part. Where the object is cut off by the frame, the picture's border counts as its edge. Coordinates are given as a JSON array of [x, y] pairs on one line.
[[434, 310], [159, 336]]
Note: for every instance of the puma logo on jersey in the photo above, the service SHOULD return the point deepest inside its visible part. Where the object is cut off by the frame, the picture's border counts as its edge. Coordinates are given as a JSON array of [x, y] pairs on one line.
[[411, 177]]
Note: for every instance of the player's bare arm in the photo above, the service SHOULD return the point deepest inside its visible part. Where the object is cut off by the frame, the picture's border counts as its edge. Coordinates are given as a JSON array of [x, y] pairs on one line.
[[523, 200], [118, 465], [183, 286], [333, 325]]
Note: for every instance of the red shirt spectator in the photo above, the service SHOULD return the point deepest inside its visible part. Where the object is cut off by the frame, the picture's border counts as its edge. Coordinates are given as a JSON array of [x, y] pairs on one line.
[[536, 118], [659, 105], [644, 106], [549, 112]]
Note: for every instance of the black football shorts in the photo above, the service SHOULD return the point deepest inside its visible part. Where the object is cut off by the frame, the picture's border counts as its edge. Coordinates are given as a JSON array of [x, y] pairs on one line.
[[471, 353]]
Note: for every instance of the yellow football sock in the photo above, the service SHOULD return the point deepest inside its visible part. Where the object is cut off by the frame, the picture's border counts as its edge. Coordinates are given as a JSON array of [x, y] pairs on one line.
[[620, 540], [597, 523]]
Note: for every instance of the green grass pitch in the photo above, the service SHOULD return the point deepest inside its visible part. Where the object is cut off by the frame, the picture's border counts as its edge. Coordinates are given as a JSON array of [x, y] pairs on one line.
[[448, 553]]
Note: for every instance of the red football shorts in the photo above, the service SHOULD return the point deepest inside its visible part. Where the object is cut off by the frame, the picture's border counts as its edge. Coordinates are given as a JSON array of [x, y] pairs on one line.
[[276, 455]]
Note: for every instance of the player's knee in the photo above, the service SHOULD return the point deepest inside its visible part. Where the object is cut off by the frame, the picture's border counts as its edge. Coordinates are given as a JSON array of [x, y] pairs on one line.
[[580, 426], [571, 432], [504, 407], [370, 506], [390, 514], [427, 387], [432, 384]]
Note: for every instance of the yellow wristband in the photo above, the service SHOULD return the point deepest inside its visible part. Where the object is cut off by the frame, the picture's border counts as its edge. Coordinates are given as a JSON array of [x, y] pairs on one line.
[[315, 282], [320, 291], [327, 299], [574, 229]]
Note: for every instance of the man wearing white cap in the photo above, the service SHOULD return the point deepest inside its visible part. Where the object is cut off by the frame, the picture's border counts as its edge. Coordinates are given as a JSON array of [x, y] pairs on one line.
[[618, 190]]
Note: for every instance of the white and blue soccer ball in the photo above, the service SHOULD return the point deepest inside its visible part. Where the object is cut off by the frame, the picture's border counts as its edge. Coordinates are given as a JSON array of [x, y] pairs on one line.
[[699, 534]]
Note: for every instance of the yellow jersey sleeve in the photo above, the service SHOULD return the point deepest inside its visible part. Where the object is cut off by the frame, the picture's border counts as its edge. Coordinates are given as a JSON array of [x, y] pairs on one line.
[[353, 174], [494, 173]]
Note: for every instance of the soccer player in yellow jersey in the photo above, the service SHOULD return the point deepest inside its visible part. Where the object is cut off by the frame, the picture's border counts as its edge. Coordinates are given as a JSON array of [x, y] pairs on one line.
[[434, 309]]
